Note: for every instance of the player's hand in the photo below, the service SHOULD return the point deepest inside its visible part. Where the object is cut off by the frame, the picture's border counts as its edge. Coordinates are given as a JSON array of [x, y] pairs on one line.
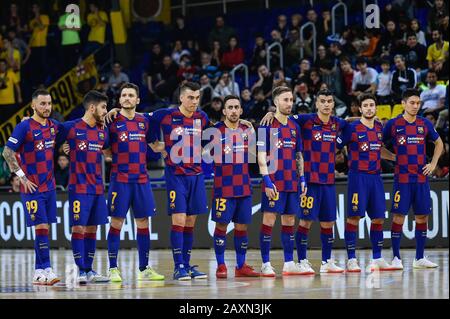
[[29, 186], [66, 148], [267, 119], [164, 153], [304, 189], [272, 193], [111, 115], [247, 123], [428, 169]]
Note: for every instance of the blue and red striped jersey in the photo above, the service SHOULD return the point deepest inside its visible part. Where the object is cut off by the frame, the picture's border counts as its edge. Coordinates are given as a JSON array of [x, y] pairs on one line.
[[364, 147], [319, 146], [35, 145], [182, 137], [281, 141], [409, 141], [231, 164], [129, 143], [86, 144]]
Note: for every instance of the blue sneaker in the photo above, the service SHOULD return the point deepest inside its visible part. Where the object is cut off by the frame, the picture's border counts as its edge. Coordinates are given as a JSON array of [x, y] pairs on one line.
[[82, 278], [181, 274], [197, 274]]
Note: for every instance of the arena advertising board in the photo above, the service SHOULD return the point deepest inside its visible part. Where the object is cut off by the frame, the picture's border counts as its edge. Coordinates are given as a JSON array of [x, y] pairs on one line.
[[15, 234]]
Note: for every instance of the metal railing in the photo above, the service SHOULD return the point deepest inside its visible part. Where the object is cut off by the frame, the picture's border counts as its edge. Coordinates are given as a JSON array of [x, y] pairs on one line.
[[364, 6], [233, 76], [302, 31], [333, 16], [224, 3], [269, 55]]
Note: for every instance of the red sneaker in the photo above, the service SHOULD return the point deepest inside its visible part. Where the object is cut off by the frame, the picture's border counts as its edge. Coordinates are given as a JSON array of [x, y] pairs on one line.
[[245, 271], [221, 271]]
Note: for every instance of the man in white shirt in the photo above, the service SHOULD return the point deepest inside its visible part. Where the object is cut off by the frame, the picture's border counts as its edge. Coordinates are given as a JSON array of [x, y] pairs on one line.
[[365, 80], [433, 97]]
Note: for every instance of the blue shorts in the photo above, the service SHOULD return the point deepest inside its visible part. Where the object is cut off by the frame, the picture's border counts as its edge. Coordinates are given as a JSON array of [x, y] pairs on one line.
[[186, 194], [40, 208], [365, 193], [417, 195], [287, 203], [87, 209], [319, 203], [139, 197], [238, 210]]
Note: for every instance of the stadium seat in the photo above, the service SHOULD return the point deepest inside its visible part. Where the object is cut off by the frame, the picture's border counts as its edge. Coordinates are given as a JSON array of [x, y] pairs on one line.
[[384, 111], [397, 110]]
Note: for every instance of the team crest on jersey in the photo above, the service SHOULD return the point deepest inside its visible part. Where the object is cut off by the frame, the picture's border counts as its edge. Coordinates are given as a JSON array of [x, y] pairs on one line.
[[141, 125], [218, 214], [380, 136], [76, 216], [198, 122], [294, 133], [306, 212], [245, 136], [52, 130], [33, 217], [395, 205], [172, 205], [271, 203], [420, 129], [101, 136], [355, 208], [333, 127]]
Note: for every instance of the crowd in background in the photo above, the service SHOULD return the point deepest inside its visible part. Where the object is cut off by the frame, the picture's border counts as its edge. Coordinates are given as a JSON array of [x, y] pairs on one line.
[[404, 53]]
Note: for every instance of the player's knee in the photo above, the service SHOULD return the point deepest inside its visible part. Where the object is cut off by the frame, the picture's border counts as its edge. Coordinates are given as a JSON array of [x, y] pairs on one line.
[[305, 223], [117, 222], [421, 219], [190, 220], [240, 227], [269, 219], [41, 226], [288, 220], [398, 219], [221, 226], [91, 229], [142, 222], [326, 224], [78, 229], [378, 221], [179, 220], [354, 220]]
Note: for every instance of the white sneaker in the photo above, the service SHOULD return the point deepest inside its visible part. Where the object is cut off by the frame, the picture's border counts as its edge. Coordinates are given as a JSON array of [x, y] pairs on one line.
[[52, 278], [291, 269], [267, 270], [352, 265], [424, 263], [82, 278], [396, 264], [306, 267], [39, 277], [93, 277], [330, 267], [379, 264]]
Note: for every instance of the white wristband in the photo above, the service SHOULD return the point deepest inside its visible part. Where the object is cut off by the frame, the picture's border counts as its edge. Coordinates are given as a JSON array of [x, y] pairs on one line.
[[20, 173]]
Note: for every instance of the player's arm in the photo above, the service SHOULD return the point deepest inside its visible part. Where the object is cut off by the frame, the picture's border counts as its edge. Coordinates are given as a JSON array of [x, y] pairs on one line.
[[107, 153], [438, 148], [10, 158], [301, 172], [270, 189], [267, 119], [388, 155]]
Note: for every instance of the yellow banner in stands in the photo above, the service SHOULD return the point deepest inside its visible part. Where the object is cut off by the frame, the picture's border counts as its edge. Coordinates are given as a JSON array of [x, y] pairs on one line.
[[67, 93]]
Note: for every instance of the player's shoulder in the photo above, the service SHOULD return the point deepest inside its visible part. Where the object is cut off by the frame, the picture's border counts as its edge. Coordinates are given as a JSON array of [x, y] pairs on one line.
[[219, 125], [200, 114], [25, 124], [292, 123]]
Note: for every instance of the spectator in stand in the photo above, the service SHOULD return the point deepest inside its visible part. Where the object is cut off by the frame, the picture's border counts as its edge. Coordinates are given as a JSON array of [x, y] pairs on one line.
[[365, 80], [155, 65], [97, 20], [437, 55], [186, 68], [436, 14], [178, 51], [305, 69], [8, 84], [388, 44], [214, 110], [15, 183], [62, 171], [193, 48], [384, 80], [70, 41], [311, 16], [336, 53], [282, 25], [261, 106], [315, 81], [221, 32], [38, 44], [247, 102], [296, 21], [276, 37], [225, 86], [354, 109], [347, 74], [416, 55], [302, 98], [442, 169], [20, 45], [117, 77], [12, 56], [216, 54], [5, 172], [206, 67], [180, 30], [234, 55], [259, 53], [326, 18], [265, 81], [420, 35], [433, 97], [14, 20], [279, 78], [292, 49], [325, 65], [402, 78], [374, 37], [341, 167], [205, 89], [166, 79]]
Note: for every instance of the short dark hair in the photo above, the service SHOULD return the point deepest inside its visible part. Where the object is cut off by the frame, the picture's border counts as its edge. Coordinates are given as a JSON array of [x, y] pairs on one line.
[[345, 58], [280, 90], [385, 61], [411, 34], [325, 92], [128, 85], [431, 71], [39, 92], [230, 97], [436, 29], [408, 93], [258, 90], [366, 96], [361, 60], [189, 86], [94, 97]]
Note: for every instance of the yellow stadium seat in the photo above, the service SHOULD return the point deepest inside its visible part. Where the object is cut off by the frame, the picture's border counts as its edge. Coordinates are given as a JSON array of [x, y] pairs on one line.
[[384, 112], [397, 110]]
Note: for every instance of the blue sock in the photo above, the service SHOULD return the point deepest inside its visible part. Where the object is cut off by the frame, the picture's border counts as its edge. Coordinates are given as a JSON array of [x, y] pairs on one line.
[[176, 239], [326, 236], [396, 236], [287, 240], [43, 247], [376, 237], [37, 263], [90, 240], [350, 240], [301, 240], [143, 242], [220, 244], [240, 246], [265, 239], [421, 238], [78, 249], [188, 239], [113, 246]]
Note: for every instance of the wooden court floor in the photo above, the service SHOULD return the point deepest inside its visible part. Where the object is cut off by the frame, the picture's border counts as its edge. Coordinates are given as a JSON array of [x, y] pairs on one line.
[[17, 266]]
